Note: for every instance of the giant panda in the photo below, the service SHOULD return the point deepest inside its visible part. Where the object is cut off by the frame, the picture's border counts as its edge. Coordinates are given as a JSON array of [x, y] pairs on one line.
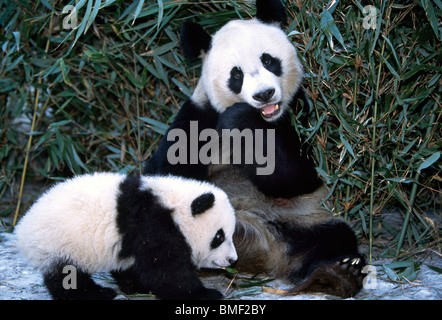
[[251, 80], [150, 232]]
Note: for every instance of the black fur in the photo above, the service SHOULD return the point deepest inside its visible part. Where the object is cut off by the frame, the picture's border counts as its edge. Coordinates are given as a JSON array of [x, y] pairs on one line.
[[319, 244], [300, 106], [203, 203], [330, 259], [193, 40], [271, 11], [163, 262], [86, 288], [272, 64], [294, 173], [218, 239], [158, 164], [236, 80], [331, 262]]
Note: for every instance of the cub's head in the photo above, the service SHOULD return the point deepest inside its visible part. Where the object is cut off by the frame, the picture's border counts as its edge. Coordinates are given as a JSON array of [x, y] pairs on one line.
[[205, 217], [211, 236], [248, 61]]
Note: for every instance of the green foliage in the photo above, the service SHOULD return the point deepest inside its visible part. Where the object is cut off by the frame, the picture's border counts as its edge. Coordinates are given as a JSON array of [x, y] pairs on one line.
[[100, 95], [402, 270]]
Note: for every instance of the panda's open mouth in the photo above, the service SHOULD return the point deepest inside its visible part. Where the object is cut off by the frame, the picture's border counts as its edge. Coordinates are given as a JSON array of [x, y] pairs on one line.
[[269, 111]]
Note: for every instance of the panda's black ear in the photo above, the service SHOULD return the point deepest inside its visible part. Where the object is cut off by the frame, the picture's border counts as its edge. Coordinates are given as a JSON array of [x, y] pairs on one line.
[[271, 11], [194, 40], [203, 203]]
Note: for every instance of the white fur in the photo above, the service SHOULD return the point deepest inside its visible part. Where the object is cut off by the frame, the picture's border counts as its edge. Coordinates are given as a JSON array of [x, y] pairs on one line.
[[76, 221], [199, 230], [241, 43]]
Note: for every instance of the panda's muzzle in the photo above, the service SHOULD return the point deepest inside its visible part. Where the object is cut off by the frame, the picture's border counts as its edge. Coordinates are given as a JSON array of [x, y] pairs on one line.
[[270, 110]]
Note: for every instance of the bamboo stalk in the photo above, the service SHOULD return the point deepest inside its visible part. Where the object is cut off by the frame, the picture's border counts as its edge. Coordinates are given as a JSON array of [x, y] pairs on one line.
[[28, 149], [29, 144], [415, 184], [373, 142]]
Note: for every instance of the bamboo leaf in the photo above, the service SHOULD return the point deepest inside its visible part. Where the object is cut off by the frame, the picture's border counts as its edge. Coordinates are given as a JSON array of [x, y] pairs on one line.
[[93, 14], [389, 66], [16, 35], [434, 22], [390, 273], [157, 126], [161, 49], [138, 10], [160, 12], [429, 161], [434, 268], [64, 71], [345, 142], [401, 180]]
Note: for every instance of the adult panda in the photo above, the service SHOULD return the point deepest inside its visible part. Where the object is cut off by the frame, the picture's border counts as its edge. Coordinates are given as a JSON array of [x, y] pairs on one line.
[[150, 232], [251, 79]]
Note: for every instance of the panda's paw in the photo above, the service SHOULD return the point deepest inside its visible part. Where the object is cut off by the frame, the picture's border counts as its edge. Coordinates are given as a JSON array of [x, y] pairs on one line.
[[240, 116], [351, 266], [342, 277]]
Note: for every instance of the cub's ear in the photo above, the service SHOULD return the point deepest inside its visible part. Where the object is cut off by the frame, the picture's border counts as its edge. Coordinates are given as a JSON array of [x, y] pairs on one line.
[[203, 203], [271, 11], [195, 42]]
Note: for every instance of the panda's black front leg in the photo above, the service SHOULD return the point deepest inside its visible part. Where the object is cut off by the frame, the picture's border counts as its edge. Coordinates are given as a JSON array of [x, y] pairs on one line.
[[173, 281], [129, 281], [290, 169], [74, 284], [163, 267]]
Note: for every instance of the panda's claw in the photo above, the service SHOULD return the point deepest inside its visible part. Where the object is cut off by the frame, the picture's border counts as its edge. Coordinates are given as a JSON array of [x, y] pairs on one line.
[[342, 278]]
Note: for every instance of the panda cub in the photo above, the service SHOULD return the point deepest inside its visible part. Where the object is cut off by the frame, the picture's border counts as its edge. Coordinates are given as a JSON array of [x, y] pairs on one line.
[[251, 80], [151, 232]]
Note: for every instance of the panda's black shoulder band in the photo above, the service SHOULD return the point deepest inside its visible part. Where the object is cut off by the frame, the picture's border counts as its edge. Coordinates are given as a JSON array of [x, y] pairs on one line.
[[203, 203]]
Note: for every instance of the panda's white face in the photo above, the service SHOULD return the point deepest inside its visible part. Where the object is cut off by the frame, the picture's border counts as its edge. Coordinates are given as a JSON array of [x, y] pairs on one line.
[[204, 216], [249, 61], [210, 232]]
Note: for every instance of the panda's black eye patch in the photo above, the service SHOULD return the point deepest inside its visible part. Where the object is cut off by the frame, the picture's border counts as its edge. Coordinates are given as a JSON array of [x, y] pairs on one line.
[[236, 80], [272, 64], [218, 239]]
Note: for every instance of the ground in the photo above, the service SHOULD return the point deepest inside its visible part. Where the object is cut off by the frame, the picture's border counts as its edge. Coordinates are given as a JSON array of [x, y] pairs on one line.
[[20, 281]]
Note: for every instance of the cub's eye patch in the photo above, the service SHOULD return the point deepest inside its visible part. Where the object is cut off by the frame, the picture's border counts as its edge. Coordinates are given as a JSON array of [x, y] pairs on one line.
[[272, 64], [218, 239]]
